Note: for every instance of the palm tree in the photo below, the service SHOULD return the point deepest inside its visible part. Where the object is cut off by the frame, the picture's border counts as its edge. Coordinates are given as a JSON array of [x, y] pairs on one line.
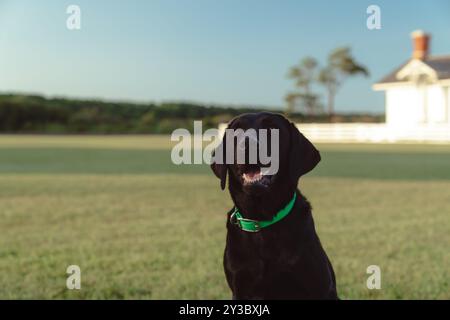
[[304, 74], [341, 65]]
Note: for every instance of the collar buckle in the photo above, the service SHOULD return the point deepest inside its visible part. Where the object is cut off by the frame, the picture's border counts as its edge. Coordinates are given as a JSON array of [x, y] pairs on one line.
[[255, 225], [239, 221]]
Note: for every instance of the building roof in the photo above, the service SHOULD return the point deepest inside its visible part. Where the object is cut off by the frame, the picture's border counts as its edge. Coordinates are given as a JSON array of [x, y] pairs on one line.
[[440, 64]]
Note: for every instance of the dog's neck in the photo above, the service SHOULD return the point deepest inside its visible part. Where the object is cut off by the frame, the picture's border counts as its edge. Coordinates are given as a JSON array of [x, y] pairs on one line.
[[263, 206]]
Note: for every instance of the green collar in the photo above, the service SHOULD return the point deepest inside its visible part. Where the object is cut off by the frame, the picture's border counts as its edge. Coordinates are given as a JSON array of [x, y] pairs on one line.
[[255, 226]]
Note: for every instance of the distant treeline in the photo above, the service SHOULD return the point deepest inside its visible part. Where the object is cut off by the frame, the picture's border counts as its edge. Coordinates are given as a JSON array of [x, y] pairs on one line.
[[36, 114]]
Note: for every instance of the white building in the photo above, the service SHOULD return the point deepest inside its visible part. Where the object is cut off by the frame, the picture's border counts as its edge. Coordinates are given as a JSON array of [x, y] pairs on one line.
[[418, 92], [417, 104]]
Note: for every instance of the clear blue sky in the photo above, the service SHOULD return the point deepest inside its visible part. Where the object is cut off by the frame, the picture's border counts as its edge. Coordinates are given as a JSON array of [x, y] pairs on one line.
[[207, 51]]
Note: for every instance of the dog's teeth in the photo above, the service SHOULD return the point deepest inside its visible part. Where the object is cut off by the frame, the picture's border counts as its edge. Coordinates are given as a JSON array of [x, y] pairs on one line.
[[255, 178]]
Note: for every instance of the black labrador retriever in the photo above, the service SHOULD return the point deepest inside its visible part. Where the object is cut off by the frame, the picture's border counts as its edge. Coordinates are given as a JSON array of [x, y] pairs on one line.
[[272, 249]]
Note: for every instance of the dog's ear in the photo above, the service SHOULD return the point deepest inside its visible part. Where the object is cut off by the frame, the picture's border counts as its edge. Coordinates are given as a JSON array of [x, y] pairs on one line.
[[220, 169], [303, 155]]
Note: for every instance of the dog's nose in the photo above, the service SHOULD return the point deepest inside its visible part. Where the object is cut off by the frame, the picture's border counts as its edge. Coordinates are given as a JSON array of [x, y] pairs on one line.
[[244, 142]]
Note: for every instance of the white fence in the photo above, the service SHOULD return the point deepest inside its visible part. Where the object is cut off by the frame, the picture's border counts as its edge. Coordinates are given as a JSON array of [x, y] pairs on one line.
[[375, 133], [372, 133]]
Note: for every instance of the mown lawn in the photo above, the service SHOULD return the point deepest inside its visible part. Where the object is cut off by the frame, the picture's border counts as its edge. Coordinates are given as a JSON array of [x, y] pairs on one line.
[[142, 228]]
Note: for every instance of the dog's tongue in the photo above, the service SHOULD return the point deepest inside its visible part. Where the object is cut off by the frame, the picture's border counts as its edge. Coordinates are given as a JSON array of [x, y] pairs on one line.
[[253, 174]]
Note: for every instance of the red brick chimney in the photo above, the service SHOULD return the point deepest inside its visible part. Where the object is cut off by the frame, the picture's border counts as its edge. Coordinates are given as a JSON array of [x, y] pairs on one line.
[[421, 41]]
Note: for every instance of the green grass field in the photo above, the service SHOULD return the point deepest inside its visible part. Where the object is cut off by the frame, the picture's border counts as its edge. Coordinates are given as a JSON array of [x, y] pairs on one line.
[[142, 228]]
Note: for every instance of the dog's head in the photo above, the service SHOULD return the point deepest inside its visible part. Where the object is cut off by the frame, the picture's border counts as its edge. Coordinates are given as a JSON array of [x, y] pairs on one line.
[[290, 154]]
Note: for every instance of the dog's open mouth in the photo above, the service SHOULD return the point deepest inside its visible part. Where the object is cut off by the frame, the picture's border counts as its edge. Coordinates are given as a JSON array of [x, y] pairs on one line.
[[254, 176]]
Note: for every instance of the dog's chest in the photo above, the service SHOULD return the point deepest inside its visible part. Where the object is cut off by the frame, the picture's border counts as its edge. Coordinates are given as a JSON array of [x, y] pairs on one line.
[[260, 257]]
